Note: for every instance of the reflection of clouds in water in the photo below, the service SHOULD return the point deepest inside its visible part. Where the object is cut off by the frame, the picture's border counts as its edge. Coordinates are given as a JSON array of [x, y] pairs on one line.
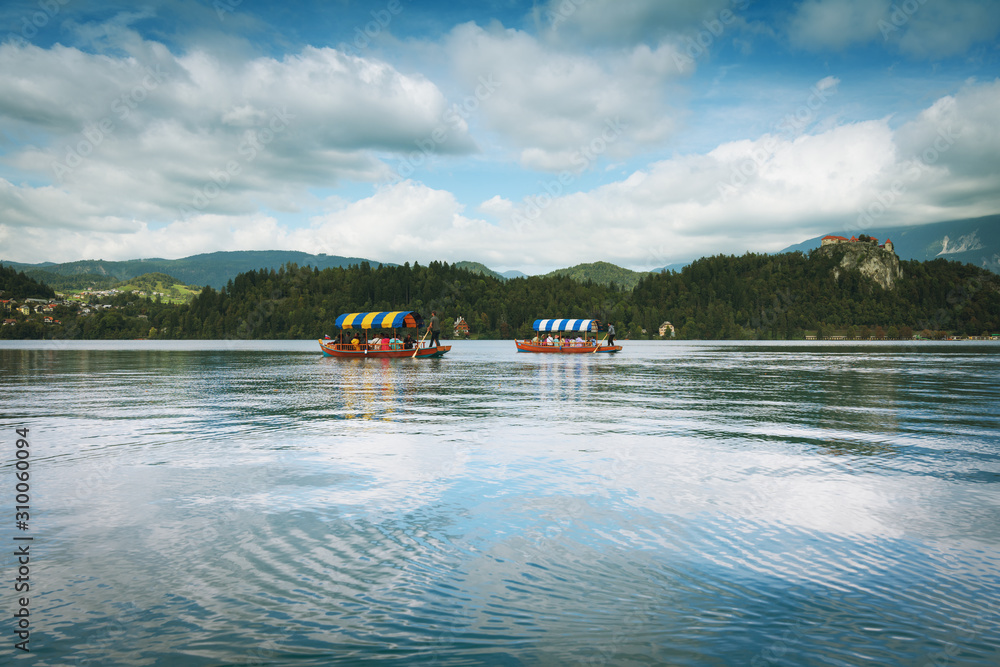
[[683, 476], [378, 473]]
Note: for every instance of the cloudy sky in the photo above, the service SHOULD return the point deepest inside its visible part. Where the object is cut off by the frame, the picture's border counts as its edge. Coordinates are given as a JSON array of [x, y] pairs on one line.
[[524, 135]]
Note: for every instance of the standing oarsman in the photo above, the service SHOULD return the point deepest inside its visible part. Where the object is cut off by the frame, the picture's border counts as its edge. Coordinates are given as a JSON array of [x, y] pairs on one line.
[[611, 334], [435, 329]]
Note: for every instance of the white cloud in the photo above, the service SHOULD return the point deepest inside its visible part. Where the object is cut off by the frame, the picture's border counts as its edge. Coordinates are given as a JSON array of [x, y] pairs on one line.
[[196, 132], [835, 24], [406, 221], [172, 153], [939, 29], [917, 28], [553, 104], [182, 238], [761, 195], [768, 193]]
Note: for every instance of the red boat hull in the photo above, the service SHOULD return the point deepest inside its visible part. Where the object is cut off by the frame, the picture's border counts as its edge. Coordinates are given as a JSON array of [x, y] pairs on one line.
[[528, 346], [347, 351]]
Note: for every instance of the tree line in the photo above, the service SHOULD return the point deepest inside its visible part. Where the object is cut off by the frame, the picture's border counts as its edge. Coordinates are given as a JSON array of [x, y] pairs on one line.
[[753, 296]]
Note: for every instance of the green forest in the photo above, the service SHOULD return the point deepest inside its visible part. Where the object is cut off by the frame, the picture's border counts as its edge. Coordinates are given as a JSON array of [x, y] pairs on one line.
[[753, 296]]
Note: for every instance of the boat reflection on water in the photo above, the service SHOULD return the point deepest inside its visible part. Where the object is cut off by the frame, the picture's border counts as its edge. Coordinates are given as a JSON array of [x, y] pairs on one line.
[[370, 388], [565, 379]]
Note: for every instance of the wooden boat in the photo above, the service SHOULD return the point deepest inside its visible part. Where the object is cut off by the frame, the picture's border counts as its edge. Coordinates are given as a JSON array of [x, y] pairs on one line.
[[385, 321], [561, 345]]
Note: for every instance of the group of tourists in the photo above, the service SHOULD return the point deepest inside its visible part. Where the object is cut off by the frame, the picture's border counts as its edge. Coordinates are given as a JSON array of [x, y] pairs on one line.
[[380, 341], [563, 341]]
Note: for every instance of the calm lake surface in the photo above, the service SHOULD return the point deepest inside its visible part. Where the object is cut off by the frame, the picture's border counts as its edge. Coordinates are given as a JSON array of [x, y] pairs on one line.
[[217, 503]]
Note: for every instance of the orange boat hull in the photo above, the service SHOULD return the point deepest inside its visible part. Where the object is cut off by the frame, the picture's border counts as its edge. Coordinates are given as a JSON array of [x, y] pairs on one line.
[[528, 346], [347, 351]]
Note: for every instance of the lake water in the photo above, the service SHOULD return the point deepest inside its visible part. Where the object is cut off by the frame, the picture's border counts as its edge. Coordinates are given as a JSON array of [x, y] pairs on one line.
[[216, 503]]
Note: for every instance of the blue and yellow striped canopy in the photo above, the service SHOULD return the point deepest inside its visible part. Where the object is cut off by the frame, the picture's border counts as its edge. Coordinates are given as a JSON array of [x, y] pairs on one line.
[[566, 325], [396, 319]]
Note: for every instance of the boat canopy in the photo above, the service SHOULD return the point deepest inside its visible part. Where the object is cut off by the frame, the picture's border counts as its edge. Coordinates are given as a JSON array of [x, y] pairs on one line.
[[396, 319], [567, 325]]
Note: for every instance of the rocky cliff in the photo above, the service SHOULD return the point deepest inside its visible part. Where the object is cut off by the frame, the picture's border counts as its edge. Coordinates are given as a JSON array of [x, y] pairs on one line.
[[871, 261]]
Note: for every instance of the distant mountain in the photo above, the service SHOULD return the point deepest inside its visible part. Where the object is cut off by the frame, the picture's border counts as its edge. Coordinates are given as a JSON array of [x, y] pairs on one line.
[[601, 273], [214, 268], [973, 241], [514, 274], [481, 269], [675, 267]]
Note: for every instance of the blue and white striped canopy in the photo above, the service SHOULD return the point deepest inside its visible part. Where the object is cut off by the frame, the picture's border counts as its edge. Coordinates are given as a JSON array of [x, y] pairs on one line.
[[566, 325]]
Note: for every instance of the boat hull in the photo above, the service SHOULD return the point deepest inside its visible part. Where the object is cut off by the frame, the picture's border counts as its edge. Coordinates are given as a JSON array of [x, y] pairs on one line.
[[528, 346], [347, 352]]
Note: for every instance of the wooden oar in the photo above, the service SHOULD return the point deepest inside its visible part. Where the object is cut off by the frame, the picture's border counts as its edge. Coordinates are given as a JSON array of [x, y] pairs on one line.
[[420, 341], [598, 346]]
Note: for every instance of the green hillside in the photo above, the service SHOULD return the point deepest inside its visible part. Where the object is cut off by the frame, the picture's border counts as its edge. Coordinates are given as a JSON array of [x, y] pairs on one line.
[[749, 297], [601, 273], [481, 269], [155, 284], [214, 269], [784, 296]]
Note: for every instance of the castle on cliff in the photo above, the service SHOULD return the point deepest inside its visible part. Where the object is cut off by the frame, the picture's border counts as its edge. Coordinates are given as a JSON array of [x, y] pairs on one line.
[[832, 240]]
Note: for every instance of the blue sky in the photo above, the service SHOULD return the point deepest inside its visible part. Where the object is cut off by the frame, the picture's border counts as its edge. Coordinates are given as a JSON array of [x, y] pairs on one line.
[[524, 135]]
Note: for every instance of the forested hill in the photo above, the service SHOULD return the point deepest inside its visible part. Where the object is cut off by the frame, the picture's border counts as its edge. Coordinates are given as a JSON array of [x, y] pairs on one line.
[[782, 296], [747, 297], [15, 285], [753, 296], [300, 302], [603, 273]]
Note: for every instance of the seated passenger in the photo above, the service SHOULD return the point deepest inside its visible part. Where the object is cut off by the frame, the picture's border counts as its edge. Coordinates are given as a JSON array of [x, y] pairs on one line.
[[384, 343], [408, 342]]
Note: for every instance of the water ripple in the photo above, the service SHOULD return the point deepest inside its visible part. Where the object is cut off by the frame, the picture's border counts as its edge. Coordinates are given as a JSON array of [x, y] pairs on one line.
[[678, 504]]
